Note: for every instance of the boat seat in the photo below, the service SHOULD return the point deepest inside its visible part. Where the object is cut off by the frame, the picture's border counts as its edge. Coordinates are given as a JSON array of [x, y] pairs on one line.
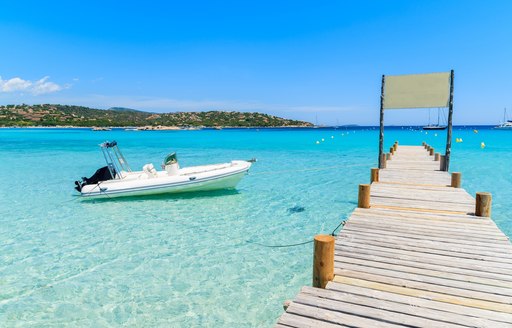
[[150, 171]]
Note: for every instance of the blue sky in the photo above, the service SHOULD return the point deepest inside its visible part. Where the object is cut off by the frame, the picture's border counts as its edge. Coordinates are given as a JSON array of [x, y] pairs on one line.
[[297, 59]]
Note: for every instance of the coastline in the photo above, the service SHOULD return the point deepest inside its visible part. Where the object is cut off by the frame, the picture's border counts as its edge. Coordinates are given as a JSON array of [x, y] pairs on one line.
[[157, 128]]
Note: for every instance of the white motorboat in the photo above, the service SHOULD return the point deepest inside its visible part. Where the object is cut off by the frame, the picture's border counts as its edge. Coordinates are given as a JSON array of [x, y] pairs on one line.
[[116, 179]]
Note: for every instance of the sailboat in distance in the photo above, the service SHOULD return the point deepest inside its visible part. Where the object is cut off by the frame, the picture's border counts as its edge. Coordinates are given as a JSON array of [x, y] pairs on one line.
[[507, 124], [434, 126]]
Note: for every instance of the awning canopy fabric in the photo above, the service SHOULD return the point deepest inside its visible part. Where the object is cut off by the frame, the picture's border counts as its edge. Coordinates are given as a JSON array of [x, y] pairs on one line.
[[417, 91]]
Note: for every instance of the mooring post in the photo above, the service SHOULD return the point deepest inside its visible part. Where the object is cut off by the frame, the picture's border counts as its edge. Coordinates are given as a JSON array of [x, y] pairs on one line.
[[442, 163], [388, 156], [423, 144], [456, 179], [392, 150], [363, 200], [383, 158], [395, 147], [437, 156], [432, 151], [374, 175], [483, 204], [323, 260]]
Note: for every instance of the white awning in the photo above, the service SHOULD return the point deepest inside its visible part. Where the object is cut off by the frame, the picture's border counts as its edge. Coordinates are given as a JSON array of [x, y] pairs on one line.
[[417, 91]]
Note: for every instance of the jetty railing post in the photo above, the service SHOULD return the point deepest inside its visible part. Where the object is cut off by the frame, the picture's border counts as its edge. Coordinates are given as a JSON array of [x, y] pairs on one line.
[[383, 159], [432, 150], [449, 133], [437, 157], [483, 204], [442, 163], [323, 260], [374, 175], [363, 197], [381, 134], [456, 179]]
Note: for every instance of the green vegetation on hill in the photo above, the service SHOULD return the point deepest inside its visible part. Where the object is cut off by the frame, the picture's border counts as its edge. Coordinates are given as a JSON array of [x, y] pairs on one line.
[[65, 115]]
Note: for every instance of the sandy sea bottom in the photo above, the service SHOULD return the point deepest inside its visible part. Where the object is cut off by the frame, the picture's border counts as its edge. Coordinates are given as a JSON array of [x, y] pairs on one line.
[[191, 260]]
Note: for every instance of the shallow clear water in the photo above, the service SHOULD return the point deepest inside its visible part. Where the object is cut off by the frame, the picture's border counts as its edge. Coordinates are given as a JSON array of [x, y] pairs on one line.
[[191, 260]]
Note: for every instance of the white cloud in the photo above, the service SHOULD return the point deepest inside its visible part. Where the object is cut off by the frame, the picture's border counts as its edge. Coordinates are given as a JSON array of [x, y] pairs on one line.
[[43, 86], [39, 87], [14, 84]]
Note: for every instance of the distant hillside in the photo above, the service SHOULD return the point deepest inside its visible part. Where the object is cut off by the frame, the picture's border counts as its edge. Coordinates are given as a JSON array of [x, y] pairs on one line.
[[123, 109], [65, 115]]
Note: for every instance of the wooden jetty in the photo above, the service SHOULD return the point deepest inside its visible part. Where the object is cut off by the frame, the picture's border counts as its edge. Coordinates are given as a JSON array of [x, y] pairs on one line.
[[419, 251]]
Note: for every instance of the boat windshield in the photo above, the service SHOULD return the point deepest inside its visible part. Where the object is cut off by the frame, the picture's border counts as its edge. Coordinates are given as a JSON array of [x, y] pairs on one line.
[[114, 158]]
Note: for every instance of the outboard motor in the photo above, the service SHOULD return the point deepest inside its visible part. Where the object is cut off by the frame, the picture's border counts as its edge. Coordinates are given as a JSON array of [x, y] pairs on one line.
[[101, 174], [171, 165]]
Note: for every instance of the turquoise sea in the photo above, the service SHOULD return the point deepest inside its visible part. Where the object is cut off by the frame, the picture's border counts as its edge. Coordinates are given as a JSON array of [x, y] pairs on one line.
[[193, 260]]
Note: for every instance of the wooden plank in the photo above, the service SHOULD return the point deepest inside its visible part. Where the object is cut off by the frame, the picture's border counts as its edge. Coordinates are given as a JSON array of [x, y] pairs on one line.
[[430, 246], [414, 209], [333, 317], [432, 280], [411, 256], [382, 231], [341, 261], [400, 280], [371, 312], [428, 230], [298, 321], [416, 262], [430, 258], [382, 302], [418, 304], [440, 297]]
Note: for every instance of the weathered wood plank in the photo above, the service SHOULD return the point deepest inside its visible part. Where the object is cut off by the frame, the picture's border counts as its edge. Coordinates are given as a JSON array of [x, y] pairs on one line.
[[440, 297], [399, 305], [417, 303]]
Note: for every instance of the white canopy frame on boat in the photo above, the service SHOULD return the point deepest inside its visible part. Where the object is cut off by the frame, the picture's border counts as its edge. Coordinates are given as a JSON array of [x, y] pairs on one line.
[[116, 162], [417, 91]]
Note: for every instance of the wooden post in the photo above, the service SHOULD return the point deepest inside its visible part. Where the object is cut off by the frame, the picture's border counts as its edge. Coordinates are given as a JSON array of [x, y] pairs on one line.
[[388, 156], [396, 143], [392, 150], [383, 161], [456, 179], [374, 175], [483, 204], [381, 134], [449, 133], [395, 147], [431, 151], [423, 144], [364, 196], [323, 260], [437, 157], [442, 163]]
